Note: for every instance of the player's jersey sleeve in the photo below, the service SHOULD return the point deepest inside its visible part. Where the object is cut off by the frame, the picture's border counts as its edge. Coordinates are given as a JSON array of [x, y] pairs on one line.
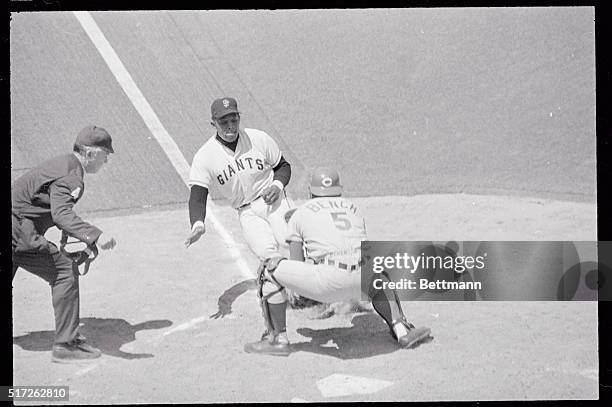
[[267, 146], [199, 174], [294, 233]]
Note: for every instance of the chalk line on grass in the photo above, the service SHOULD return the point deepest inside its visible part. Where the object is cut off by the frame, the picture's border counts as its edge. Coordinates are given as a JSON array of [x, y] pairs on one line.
[[166, 142]]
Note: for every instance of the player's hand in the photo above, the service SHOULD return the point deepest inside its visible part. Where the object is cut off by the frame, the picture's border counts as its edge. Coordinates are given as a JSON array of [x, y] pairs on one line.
[[196, 232], [224, 309], [106, 242], [271, 194]]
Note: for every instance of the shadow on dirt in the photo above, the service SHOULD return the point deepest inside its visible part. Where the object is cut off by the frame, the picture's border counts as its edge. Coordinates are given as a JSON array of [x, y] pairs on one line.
[[107, 334], [228, 297], [369, 336]]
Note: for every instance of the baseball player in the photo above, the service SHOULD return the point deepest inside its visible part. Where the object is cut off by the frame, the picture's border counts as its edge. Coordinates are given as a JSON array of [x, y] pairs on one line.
[[328, 230], [44, 197], [247, 167]]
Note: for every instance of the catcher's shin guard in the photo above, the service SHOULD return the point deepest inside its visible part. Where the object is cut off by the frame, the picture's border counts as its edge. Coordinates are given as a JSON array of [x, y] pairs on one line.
[[382, 306], [268, 265]]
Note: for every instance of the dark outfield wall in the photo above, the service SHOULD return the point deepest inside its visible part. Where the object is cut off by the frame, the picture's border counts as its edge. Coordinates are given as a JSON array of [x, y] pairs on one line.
[[401, 101]]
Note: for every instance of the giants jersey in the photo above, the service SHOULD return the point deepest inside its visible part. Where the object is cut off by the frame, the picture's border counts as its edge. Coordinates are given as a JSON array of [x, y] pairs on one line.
[[240, 176], [328, 226]]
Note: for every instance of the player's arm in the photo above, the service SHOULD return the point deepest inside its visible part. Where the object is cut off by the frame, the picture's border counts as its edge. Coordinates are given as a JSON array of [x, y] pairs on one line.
[[198, 196], [282, 175], [294, 236], [282, 172], [296, 251]]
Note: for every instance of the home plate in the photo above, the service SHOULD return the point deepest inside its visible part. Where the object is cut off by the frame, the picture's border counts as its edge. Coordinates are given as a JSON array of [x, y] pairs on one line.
[[345, 385]]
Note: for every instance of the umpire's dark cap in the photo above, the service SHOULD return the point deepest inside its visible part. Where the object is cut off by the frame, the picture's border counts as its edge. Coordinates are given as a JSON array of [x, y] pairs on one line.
[[94, 136], [223, 107]]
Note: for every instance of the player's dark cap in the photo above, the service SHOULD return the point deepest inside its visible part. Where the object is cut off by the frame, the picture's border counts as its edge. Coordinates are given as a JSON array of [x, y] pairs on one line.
[[94, 136], [223, 107], [325, 181]]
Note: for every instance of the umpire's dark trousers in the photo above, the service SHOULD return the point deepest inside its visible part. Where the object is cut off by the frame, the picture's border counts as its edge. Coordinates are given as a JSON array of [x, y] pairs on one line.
[[63, 277]]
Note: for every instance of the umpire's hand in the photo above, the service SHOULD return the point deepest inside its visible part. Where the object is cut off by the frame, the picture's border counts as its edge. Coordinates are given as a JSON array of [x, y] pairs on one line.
[[197, 231], [271, 194]]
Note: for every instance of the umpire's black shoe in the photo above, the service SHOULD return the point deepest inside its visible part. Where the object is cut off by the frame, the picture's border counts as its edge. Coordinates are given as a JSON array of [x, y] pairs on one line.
[[73, 351]]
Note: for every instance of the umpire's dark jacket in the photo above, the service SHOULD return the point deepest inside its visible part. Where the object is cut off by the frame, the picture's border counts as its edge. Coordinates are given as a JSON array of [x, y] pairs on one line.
[[44, 197]]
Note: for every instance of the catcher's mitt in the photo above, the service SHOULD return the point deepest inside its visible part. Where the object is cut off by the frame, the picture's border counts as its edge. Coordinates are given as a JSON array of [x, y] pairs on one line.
[[296, 301], [79, 252]]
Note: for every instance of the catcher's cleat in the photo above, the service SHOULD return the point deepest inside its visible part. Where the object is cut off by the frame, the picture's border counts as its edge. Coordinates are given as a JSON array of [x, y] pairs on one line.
[[267, 336], [400, 327], [410, 336], [270, 345]]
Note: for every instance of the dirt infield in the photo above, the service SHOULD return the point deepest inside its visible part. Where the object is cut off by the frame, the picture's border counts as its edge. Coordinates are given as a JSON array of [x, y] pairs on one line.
[[172, 322]]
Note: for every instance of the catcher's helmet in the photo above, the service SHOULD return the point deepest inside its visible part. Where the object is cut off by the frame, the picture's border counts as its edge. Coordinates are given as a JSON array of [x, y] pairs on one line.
[[325, 181]]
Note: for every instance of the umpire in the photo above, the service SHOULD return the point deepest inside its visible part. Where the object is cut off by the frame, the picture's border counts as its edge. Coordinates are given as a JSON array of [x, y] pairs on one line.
[[44, 197]]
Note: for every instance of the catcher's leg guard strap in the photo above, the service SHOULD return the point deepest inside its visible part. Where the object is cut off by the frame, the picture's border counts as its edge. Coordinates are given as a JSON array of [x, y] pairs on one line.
[[267, 288], [271, 289]]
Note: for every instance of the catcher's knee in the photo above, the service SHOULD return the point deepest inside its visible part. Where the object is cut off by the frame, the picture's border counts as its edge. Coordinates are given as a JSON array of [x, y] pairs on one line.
[[273, 295], [269, 289], [272, 263]]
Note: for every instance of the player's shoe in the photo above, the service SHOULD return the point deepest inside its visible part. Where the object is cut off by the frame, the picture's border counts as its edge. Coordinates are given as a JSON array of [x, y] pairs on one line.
[[277, 345], [407, 335], [74, 351]]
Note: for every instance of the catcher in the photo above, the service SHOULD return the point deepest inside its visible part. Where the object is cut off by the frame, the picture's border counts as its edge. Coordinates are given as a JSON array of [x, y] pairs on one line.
[[44, 197], [328, 230]]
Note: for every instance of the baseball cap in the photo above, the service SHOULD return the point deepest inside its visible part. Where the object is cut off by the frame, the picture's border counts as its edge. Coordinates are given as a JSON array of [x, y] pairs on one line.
[[223, 107], [325, 181], [94, 136]]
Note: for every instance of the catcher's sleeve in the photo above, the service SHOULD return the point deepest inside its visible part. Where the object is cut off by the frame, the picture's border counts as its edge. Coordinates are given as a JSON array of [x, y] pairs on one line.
[[197, 203]]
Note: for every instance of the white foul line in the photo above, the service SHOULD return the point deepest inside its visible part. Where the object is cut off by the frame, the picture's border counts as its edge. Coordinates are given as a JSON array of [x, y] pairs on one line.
[[158, 130], [185, 326], [87, 369]]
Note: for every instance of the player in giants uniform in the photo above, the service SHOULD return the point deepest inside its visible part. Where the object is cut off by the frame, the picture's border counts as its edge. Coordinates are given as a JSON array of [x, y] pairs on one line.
[[247, 167], [328, 230]]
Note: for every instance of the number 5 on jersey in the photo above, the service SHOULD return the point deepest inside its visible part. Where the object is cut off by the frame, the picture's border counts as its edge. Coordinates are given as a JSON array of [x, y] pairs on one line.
[[341, 220]]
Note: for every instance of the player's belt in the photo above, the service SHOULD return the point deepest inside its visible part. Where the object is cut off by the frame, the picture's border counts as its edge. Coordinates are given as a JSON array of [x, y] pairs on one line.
[[340, 265], [247, 204]]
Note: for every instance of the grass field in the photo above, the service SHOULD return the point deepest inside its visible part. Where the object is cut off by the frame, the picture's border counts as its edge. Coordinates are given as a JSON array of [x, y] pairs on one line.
[[446, 124]]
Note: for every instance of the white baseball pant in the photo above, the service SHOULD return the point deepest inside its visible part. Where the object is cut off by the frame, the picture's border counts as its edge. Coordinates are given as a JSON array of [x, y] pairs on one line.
[[264, 227], [320, 282]]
